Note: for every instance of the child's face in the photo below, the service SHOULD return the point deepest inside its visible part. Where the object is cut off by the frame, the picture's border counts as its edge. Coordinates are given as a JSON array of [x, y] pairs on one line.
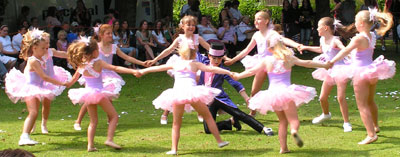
[[359, 23], [189, 27], [260, 22], [215, 61], [40, 49], [47, 42], [107, 35], [322, 29]]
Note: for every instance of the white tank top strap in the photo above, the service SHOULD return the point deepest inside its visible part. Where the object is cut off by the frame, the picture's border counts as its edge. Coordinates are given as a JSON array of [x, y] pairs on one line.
[[89, 68], [371, 41], [42, 63]]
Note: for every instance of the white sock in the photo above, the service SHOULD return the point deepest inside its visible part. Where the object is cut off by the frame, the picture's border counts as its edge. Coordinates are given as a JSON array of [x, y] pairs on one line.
[[24, 135]]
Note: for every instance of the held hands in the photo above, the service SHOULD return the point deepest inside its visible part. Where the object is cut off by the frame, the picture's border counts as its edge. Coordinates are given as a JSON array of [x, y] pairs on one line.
[[300, 48], [137, 73], [235, 76], [149, 63], [228, 61], [68, 84]]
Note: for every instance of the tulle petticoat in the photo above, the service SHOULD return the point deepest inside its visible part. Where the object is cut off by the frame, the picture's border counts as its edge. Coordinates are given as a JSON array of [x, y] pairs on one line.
[[251, 61], [17, 88], [185, 96], [92, 96], [380, 68], [338, 73], [60, 74], [108, 77], [278, 99]]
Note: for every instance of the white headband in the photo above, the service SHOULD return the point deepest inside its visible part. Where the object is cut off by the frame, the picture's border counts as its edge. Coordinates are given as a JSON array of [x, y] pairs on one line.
[[36, 34], [84, 40], [372, 13]]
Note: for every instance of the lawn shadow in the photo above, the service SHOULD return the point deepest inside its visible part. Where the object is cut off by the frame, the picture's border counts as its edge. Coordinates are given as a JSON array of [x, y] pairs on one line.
[[389, 139], [223, 152], [331, 152]]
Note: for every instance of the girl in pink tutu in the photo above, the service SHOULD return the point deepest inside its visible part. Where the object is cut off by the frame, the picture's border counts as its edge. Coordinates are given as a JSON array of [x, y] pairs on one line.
[[30, 86], [84, 55], [282, 97], [188, 25], [55, 72], [366, 71], [263, 23], [106, 52], [186, 94], [339, 75]]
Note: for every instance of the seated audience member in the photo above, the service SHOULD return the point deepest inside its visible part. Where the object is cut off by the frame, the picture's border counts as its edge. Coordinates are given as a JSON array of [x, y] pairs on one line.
[[144, 40], [159, 37], [244, 33], [17, 38], [125, 35], [6, 49], [207, 30], [227, 35]]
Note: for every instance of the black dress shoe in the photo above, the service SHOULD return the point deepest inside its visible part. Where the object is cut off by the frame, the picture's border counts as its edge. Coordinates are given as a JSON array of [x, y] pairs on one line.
[[236, 124]]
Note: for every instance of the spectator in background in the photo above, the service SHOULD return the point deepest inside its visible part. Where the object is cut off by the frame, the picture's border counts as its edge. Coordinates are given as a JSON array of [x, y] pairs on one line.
[[244, 33], [347, 12], [294, 16], [62, 43], [110, 18], [34, 23], [3, 72], [25, 23], [207, 30], [81, 14], [336, 9], [7, 49], [306, 17], [73, 34], [235, 11], [168, 31], [194, 10], [227, 35], [144, 40], [60, 14], [125, 46], [185, 8], [23, 16], [285, 19], [17, 38], [53, 25], [116, 36], [373, 4], [225, 13], [159, 37]]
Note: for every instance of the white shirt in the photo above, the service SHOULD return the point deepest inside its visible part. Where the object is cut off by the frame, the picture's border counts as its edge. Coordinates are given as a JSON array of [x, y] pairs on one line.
[[240, 29], [235, 13], [160, 37], [6, 42], [16, 41], [206, 36]]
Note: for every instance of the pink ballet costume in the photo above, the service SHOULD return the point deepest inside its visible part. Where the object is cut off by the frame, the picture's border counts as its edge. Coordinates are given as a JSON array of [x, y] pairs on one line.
[[95, 89], [262, 51], [108, 76], [280, 92], [339, 71], [55, 72], [21, 86], [185, 90], [364, 67]]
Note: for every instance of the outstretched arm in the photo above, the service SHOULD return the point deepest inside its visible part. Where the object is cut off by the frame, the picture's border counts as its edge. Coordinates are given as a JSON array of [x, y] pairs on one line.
[[35, 65], [164, 67], [129, 58], [316, 49], [164, 53], [74, 79], [117, 69], [346, 51], [59, 54], [203, 43], [250, 72], [212, 69], [243, 53], [309, 63]]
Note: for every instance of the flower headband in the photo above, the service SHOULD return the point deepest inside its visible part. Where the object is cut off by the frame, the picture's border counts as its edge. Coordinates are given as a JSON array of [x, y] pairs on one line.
[[84, 40], [96, 29], [372, 13], [336, 24], [36, 34]]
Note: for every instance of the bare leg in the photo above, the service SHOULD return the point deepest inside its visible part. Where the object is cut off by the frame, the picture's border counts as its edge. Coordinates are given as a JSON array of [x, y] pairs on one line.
[[291, 115], [92, 110], [205, 112], [282, 133], [372, 105], [361, 90], [323, 98], [81, 114], [176, 126], [32, 104], [149, 51], [112, 119], [341, 97], [45, 114], [258, 81]]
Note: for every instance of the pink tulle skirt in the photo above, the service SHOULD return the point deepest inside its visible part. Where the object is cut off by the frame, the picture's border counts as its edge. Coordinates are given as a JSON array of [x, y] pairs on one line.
[[251, 61], [185, 96], [338, 73], [92, 96], [107, 78], [61, 75], [278, 99], [380, 69], [18, 89]]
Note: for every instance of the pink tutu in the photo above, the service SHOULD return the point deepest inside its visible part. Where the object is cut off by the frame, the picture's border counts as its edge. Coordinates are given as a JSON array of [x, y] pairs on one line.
[[108, 77], [60, 74], [339, 72], [278, 99], [93, 95], [251, 61], [18, 88], [171, 61], [186, 96], [380, 68]]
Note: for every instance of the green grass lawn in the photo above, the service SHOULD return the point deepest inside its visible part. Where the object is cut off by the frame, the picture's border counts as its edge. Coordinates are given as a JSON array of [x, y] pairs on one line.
[[140, 132]]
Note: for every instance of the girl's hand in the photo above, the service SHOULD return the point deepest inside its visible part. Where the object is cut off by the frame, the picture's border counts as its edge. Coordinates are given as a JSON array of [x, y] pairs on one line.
[[228, 61], [329, 65], [149, 63], [300, 48], [235, 76], [138, 73], [68, 84]]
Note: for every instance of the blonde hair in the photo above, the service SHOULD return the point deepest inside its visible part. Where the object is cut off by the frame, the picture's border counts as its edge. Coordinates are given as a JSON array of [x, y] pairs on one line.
[[103, 29], [187, 19], [81, 52], [61, 33], [28, 42], [278, 48], [264, 14], [186, 52]]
